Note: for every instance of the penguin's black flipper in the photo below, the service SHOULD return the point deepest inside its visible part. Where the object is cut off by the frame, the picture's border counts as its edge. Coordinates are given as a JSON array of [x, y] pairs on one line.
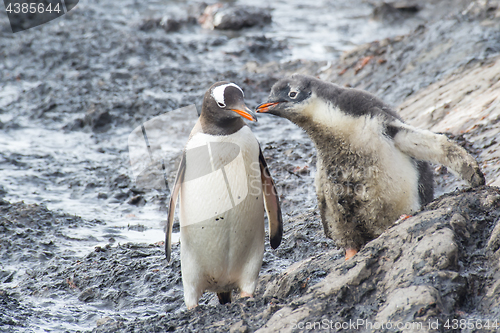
[[272, 203], [437, 148], [171, 207]]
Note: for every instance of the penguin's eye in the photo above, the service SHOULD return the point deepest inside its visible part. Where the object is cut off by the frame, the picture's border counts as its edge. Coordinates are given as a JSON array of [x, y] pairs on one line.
[[292, 94], [221, 105]]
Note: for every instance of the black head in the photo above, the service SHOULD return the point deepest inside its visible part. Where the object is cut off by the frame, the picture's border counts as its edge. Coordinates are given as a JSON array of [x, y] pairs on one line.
[[290, 96], [224, 103], [300, 98]]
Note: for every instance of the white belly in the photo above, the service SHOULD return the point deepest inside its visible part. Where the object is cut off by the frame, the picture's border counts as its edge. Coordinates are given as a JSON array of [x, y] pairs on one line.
[[221, 211], [386, 178]]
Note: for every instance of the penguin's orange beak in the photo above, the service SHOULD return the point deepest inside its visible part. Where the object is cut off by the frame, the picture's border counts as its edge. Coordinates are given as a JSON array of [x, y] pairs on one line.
[[245, 112], [265, 107]]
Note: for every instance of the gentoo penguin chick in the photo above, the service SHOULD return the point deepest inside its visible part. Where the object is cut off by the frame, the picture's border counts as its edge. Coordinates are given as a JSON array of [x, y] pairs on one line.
[[370, 164], [224, 184]]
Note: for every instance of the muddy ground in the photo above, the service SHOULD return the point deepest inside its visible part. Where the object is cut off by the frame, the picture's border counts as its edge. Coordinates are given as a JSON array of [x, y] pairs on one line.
[[78, 87]]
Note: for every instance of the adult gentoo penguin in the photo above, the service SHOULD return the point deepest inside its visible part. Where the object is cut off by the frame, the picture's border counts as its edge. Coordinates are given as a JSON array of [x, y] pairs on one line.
[[224, 184], [370, 164]]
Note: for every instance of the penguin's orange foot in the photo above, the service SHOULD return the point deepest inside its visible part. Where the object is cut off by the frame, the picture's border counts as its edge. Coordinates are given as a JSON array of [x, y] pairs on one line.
[[349, 253], [192, 307], [404, 217], [245, 294]]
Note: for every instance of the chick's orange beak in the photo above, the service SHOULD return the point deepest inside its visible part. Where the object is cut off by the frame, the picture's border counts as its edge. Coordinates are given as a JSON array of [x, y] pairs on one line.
[[265, 107]]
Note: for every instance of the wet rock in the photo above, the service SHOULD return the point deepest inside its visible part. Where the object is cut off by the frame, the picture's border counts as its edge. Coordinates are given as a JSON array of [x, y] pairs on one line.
[[169, 24], [88, 295], [137, 200], [120, 75], [108, 324], [140, 228], [173, 24], [220, 17], [102, 249], [121, 181], [483, 10], [152, 177], [239, 327], [75, 125], [417, 271], [7, 277], [460, 225], [121, 195], [263, 44], [104, 321], [394, 12], [299, 276], [99, 120], [412, 300], [149, 24], [494, 241]]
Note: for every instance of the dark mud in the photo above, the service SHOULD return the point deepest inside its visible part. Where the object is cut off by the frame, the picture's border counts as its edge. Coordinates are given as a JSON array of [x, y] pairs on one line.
[[442, 260], [71, 92], [34, 237], [32, 233]]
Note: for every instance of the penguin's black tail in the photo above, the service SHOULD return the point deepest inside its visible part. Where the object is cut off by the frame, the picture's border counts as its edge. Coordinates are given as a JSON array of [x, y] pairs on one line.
[[224, 297]]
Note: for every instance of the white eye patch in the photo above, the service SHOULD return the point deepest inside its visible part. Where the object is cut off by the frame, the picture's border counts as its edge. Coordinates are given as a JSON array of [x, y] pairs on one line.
[[218, 93]]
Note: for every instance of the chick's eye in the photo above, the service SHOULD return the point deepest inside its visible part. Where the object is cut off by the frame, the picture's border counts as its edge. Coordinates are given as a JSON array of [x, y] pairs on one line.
[[221, 105], [292, 94]]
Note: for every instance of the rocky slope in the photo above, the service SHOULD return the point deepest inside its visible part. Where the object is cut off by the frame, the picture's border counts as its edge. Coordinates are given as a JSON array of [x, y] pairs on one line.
[[419, 275]]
